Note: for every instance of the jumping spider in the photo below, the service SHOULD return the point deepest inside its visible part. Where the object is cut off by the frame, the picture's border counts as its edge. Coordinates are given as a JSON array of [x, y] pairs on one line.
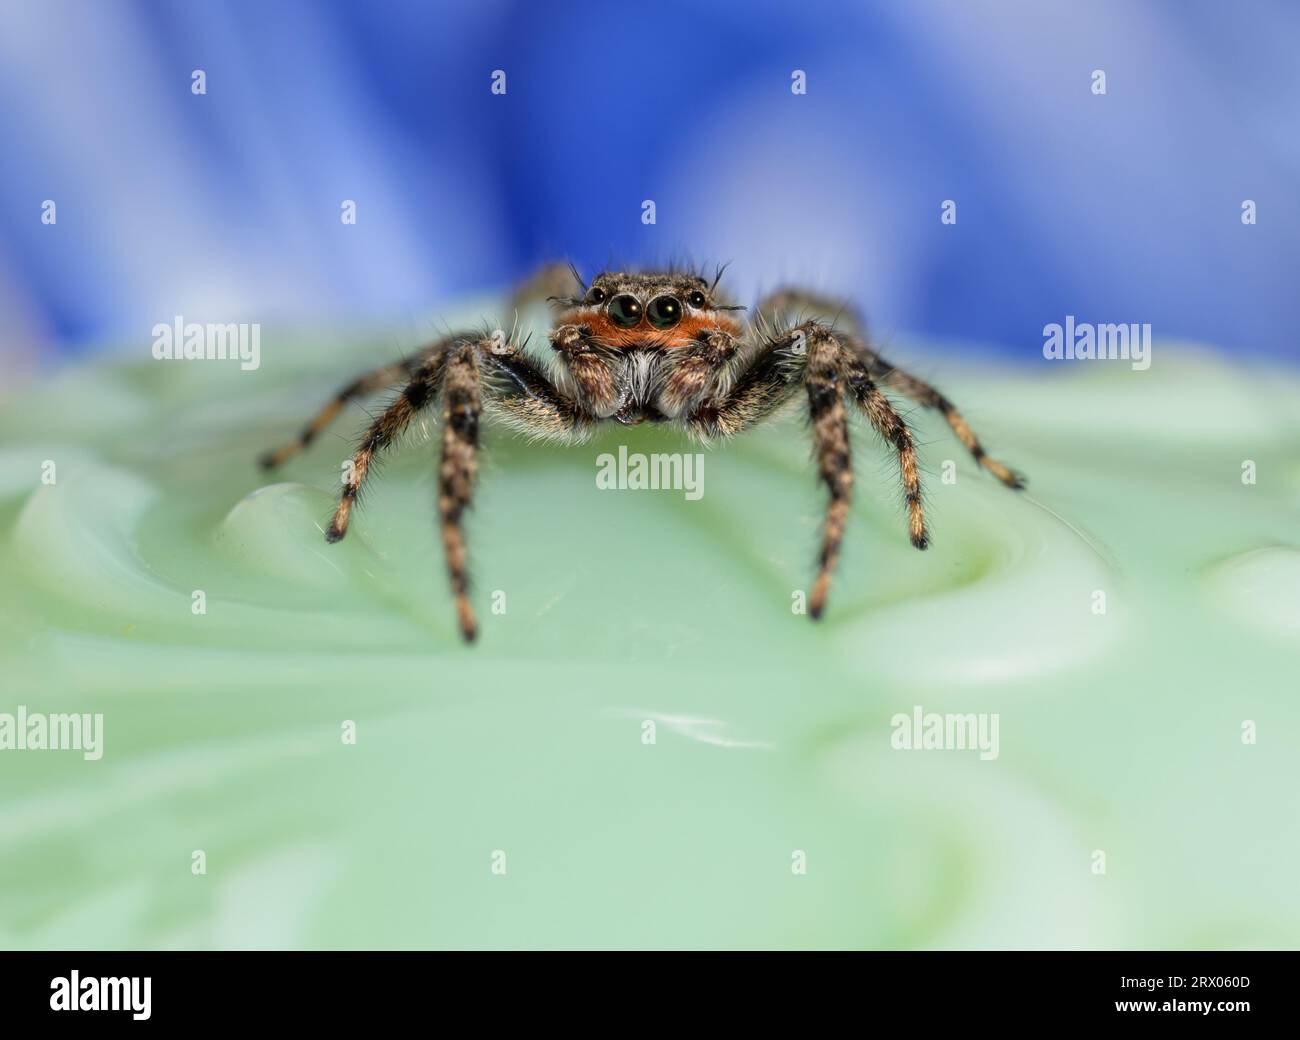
[[657, 346]]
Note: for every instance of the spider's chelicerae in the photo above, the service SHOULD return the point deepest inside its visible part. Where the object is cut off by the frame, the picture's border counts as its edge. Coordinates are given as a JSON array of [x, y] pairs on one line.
[[648, 346]]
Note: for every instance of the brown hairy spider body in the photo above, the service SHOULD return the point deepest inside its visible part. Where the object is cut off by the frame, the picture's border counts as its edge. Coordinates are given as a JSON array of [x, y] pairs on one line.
[[633, 347]]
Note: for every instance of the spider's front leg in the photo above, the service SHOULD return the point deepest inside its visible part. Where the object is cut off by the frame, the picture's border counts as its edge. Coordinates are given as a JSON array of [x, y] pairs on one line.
[[517, 390], [807, 355], [451, 373], [458, 376], [812, 355], [461, 410], [547, 281], [830, 426]]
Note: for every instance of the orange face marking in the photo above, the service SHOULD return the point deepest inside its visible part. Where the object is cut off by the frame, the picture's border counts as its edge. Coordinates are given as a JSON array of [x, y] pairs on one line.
[[645, 335]]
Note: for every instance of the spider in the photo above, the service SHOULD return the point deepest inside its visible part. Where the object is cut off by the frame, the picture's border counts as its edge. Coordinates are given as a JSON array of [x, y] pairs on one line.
[[656, 346]]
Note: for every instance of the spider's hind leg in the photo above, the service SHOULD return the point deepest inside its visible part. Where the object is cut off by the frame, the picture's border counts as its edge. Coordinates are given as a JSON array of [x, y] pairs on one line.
[[548, 281]]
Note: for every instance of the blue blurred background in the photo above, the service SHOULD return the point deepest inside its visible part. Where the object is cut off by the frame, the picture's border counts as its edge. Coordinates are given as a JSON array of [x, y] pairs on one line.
[[1116, 208]]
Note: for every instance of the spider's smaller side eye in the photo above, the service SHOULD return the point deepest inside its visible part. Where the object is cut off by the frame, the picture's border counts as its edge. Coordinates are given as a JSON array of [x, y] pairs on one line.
[[596, 296], [696, 299]]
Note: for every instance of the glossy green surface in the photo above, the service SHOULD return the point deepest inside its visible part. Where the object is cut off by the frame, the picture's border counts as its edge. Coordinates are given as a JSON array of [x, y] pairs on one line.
[[1119, 732]]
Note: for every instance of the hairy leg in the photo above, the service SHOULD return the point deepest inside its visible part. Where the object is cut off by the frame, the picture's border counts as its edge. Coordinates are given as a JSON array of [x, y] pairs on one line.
[[367, 383], [518, 392], [792, 303], [461, 411], [928, 397], [422, 390], [549, 280], [812, 355], [765, 380], [458, 375], [830, 429], [890, 425], [806, 355]]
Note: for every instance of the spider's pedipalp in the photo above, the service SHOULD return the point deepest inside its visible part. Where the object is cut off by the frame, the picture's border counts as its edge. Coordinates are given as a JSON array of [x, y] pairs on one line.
[[763, 380], [696, 372], [589, 368]]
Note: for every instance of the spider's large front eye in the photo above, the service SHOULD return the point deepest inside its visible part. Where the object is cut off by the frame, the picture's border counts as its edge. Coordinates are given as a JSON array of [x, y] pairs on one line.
[[664, 311], [625, 310]]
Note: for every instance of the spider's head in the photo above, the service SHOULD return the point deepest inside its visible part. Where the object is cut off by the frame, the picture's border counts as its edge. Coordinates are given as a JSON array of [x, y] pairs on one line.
[[648, 310]]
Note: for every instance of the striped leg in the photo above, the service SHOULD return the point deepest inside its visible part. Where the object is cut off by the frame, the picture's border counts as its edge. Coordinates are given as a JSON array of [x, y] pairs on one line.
[[791, 301], [830, 428], [890, 425], [928, 397], [461, 411], [810, 355], [549, 280], [418, 393], [523, 398], [818, 358], [368, 383], [519, 392]]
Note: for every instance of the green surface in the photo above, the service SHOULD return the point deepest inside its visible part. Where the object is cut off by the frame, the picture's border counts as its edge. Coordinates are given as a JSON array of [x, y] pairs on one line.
[[1118, 732]]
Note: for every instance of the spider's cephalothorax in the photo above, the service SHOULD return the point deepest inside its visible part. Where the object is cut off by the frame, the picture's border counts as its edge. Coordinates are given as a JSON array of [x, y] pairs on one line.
[[659, 347], [628, 346]]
